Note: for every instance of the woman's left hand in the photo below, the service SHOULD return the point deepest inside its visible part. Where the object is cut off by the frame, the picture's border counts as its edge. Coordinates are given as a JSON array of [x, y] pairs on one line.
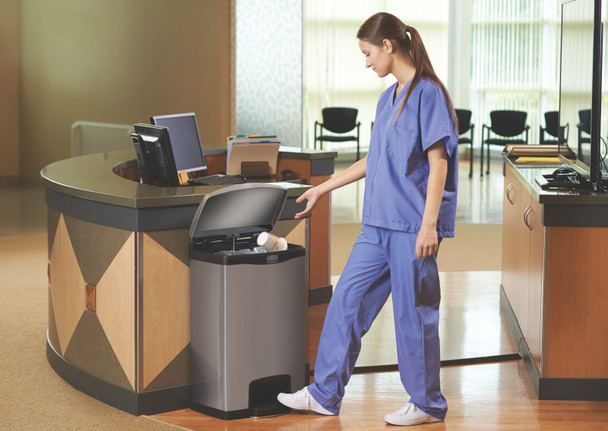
[[427, 243]]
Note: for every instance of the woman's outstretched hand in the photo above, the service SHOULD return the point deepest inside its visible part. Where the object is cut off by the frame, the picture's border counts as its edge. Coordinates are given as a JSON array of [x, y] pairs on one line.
[[312, 196]]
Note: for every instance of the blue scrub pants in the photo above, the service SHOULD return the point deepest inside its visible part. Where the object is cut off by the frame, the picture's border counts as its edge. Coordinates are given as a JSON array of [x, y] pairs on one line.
[[383, 262]]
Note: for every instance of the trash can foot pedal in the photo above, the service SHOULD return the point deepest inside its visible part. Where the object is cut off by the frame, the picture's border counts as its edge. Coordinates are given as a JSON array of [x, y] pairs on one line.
[[269, 409], [263, 395]]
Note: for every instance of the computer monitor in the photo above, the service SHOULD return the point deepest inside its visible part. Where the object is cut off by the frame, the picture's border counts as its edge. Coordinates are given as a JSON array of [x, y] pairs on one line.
[[185, 140], [156, 145], [147, 164], [581, 85]]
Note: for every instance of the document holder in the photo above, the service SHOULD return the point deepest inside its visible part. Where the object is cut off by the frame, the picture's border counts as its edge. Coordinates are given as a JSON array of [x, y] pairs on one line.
[[255, 169]]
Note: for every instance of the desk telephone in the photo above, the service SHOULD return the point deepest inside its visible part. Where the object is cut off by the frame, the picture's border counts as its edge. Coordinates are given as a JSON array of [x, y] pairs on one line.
[[567, 174], [563, 178]]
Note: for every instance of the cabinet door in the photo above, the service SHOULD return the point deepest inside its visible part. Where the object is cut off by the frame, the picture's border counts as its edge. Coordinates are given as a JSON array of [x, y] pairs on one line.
[[515, 248], [533, 220]]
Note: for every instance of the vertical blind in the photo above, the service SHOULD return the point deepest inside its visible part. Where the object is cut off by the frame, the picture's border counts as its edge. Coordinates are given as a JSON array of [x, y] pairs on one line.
[[514, 61], [334, 67]]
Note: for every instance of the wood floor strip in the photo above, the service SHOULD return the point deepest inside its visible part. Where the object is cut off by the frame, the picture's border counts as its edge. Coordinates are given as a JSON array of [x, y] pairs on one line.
[[486, 397], [445, 363]]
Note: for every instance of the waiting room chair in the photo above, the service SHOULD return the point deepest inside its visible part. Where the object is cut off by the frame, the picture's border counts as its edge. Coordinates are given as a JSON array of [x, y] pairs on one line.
[[464, 125], [507, 125], [92, 137], [338, 121], [584, 131], [551, 128]]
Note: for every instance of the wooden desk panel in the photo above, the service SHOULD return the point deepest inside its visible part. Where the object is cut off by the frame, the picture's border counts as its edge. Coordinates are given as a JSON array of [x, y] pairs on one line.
[[577, 321], [119, 278]]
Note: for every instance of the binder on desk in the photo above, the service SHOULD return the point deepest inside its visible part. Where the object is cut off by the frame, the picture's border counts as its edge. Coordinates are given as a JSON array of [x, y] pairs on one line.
[[252, 150], [539, 160], [544, 150]]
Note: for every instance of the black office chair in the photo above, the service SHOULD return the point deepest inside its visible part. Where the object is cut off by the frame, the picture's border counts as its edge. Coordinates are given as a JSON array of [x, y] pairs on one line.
[[338, 121], [464, 125], [506, 124], [551, 128], [584, 131]]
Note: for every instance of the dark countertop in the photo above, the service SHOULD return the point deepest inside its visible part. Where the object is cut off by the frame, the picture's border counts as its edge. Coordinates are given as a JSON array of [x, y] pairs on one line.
[[576, 208], [527, 174], [93, 177], [290, 153]]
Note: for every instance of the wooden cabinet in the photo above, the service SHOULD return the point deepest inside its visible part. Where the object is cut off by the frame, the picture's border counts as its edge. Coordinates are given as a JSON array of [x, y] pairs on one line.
[[522, 259], [537, 235], [555, 285], [515, 267]]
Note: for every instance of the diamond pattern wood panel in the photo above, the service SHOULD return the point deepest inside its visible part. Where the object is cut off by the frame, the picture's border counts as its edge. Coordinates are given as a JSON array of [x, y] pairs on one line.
[[165, 309], [90, 351], [116, 306], [67, 286]]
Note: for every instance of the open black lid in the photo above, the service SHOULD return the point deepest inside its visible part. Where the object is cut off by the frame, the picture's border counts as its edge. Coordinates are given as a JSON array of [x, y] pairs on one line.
[[238, 211]]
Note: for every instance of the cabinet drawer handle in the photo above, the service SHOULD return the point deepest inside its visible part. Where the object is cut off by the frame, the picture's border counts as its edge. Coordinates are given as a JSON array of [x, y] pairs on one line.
[[508, 193], [527, 213]]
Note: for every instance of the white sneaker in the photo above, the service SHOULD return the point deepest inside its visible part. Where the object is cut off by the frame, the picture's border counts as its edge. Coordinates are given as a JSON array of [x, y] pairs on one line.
[[409, 414], [302, 400]]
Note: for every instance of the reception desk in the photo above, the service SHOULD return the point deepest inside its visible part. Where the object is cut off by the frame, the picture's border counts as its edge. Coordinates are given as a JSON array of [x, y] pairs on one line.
[[555, 283], [118, 272]]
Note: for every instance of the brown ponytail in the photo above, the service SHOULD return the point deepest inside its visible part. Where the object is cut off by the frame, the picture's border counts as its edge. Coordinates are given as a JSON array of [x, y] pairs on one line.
[[386, 26]]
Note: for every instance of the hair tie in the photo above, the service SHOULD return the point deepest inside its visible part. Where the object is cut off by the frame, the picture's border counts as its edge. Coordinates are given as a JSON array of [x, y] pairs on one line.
[[407, 28]]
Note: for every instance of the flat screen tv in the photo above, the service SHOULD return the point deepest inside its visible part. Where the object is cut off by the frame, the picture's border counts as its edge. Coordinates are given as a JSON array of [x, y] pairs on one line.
[[157, 149], [185, 140], [581, 86]]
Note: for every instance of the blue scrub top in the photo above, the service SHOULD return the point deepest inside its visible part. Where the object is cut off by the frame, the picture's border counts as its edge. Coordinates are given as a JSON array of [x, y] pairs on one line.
[[397, 164]]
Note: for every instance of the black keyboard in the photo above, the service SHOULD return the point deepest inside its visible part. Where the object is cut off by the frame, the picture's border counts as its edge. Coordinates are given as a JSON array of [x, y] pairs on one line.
[[216, 180]]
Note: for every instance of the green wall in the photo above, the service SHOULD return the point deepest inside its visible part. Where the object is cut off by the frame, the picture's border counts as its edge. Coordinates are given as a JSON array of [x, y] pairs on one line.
[[116, 61]]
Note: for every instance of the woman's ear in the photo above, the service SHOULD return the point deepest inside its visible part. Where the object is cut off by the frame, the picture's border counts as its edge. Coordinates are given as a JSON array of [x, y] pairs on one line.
[[387, 46]]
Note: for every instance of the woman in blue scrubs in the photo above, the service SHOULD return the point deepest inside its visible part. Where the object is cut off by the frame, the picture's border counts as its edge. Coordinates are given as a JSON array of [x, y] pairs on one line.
[[411, 173]]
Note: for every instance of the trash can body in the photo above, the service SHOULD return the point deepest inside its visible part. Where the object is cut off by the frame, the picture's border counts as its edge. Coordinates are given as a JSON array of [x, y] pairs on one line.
[[248, 322], [247, 311]]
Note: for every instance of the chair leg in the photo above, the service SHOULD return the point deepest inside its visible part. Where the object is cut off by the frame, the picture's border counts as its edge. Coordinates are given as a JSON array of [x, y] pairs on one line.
[[488, 160], [481, 161], [471, 161]]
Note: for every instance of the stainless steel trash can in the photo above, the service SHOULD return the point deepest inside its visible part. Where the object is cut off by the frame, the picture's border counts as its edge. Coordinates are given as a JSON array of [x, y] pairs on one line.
[[247, 309]]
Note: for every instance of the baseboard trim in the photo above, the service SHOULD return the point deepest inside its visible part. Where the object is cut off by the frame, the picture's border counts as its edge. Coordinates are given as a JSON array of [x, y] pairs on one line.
[[551, 388], [143, 403], [220, 414], [444, 363], [320, 295], [481, 360]]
